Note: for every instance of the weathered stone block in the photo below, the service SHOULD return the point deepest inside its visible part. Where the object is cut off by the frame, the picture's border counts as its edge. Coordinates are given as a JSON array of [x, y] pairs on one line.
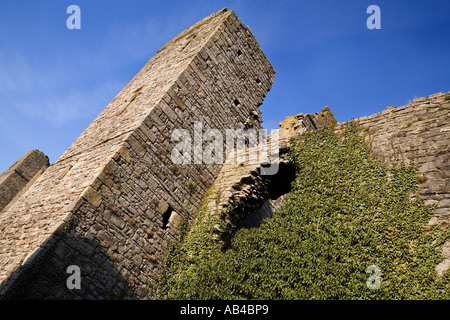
[[419, 100], [118, 222], [92, 196]]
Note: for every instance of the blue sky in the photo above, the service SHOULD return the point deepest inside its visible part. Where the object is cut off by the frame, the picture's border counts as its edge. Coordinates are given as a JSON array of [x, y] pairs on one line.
[[55, 81]]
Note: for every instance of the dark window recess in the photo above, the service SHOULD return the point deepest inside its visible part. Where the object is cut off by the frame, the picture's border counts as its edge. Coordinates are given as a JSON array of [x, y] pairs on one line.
[[236, 102], [166, 217], [239, 52], [258, 81], [278, 185]]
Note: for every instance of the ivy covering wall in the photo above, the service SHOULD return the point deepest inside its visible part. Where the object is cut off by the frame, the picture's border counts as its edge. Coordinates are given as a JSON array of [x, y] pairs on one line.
[[346, 212]]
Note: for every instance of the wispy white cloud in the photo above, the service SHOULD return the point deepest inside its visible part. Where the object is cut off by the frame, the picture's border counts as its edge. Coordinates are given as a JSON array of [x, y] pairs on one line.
[[58, 109], [18, 75], [50, 94], [125, 44], [51, 89]]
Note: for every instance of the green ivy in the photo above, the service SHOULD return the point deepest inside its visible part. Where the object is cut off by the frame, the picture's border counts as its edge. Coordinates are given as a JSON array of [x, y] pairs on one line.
[[346, 211]]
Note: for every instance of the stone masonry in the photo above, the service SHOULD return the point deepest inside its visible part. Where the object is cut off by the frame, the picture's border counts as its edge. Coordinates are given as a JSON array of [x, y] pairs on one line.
[[114, 200], [418, 133], [21, 176]]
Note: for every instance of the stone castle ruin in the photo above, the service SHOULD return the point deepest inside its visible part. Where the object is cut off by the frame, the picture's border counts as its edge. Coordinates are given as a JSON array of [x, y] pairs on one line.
[[114, 201]]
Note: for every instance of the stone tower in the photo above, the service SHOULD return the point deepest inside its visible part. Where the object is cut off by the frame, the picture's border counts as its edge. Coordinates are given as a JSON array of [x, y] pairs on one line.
[[114, 200]]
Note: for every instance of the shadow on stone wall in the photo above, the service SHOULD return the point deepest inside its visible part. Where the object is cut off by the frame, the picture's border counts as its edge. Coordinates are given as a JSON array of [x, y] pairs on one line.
[[46, 278], [278, 186]]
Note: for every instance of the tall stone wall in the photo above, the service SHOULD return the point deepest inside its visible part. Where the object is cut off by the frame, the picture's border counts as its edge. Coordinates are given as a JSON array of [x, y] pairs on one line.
[[114, 200]]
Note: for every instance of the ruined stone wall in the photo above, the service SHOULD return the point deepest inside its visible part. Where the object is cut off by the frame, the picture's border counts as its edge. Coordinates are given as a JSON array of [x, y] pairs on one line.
[[114, 200], [21, 175], [419, 134], [243, 194]]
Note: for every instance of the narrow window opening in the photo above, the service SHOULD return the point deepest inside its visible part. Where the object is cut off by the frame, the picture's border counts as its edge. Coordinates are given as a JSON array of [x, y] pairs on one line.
[[258, 81], [166, 217], [239, 52], [236, 102]]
